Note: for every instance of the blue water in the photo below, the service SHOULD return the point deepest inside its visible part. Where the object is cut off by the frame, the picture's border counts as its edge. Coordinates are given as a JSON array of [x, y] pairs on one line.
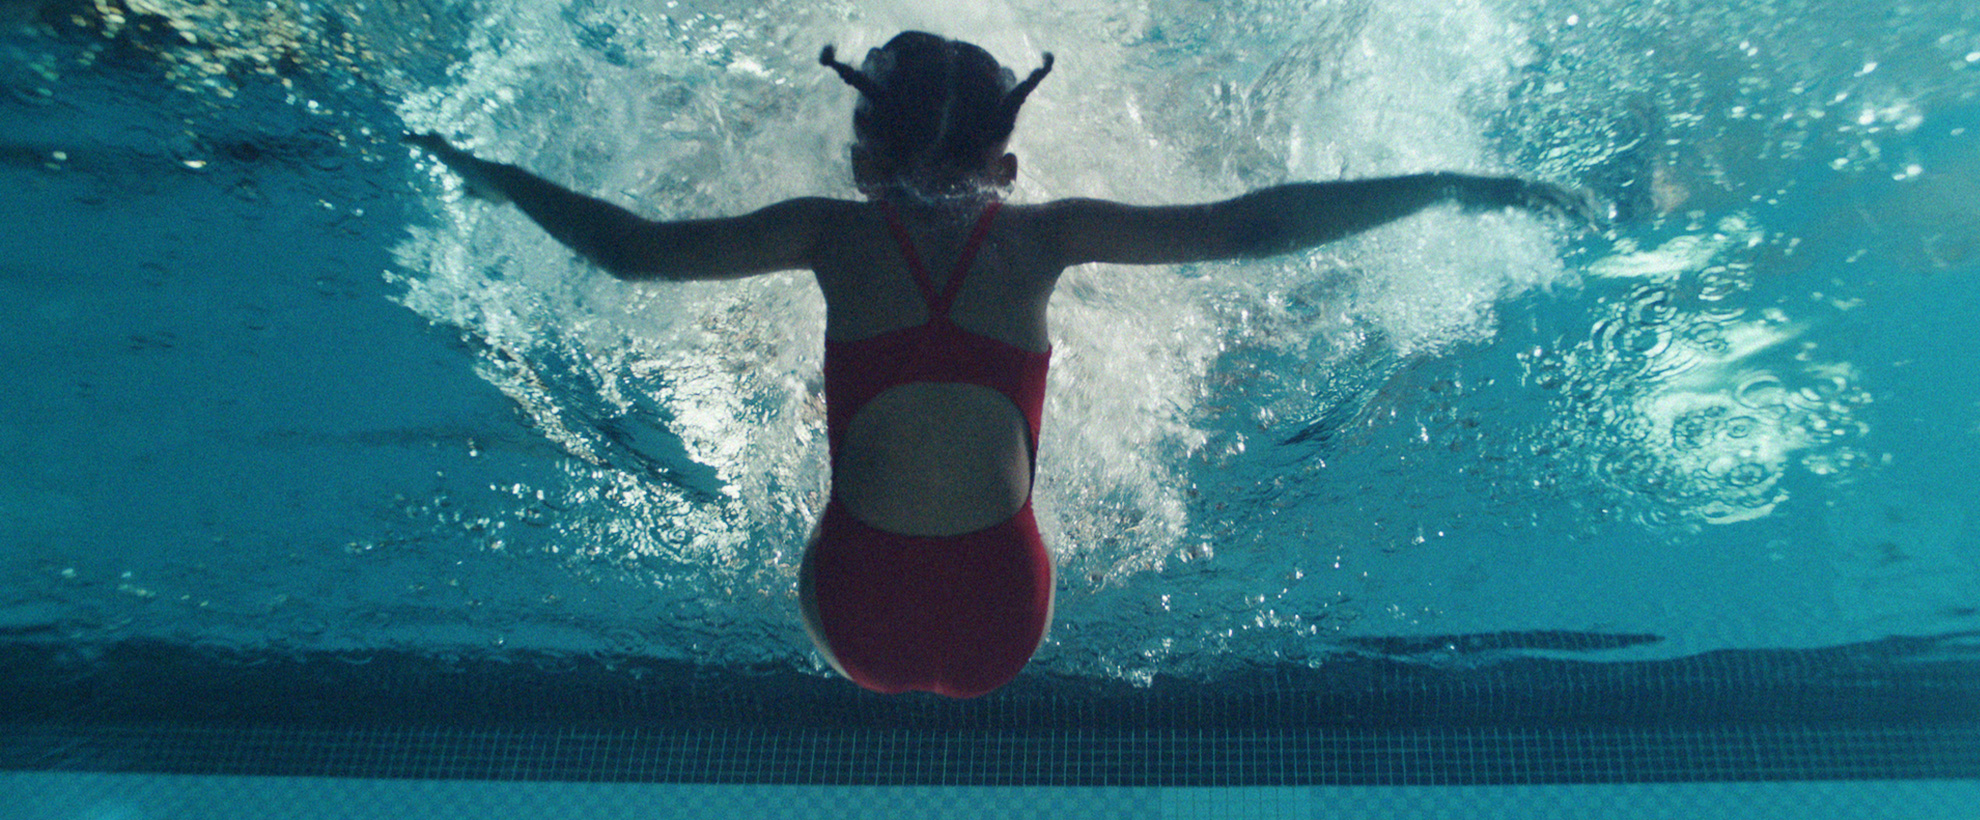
[[274, 383]]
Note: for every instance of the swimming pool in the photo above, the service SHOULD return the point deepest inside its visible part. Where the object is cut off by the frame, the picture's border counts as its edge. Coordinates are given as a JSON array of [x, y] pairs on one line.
[[315, 469]]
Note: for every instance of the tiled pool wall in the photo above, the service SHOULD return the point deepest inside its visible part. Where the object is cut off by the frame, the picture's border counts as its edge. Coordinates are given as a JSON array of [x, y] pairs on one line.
[[1900, 709]]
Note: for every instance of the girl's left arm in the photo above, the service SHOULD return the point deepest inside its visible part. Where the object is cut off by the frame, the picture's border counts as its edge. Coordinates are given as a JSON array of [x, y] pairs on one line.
[[1285, 218]]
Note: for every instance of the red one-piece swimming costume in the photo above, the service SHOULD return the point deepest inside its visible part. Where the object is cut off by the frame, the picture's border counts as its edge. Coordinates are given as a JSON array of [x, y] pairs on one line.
[[957, 615]]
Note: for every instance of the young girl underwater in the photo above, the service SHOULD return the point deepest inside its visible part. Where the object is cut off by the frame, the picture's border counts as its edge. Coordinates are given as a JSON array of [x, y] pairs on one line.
[[926, 570]]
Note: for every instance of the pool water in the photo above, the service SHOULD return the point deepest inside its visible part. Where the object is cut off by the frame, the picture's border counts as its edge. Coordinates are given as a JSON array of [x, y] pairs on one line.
[[280, 392]]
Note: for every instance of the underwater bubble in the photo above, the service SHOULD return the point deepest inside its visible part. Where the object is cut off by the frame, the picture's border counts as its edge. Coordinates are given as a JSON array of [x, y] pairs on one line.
[[1741, 426], [1647, 342], [1762, 391], [1747, 475]]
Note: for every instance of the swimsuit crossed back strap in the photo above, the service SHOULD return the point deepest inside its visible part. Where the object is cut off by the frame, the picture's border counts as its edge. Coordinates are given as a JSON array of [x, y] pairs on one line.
[[938, 350], [939, 303]]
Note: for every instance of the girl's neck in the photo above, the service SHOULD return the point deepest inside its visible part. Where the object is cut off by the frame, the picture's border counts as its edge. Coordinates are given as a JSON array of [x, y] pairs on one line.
[[909, 198]]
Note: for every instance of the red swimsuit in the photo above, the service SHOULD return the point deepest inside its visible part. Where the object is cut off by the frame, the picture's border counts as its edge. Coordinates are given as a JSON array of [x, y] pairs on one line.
[[957, 615]]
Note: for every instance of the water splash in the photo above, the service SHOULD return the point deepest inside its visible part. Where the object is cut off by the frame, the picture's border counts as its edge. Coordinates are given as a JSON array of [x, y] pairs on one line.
[[1415, 431]]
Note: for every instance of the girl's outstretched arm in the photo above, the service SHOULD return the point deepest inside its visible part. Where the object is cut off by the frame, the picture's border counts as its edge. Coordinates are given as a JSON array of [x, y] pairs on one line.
[[1284, 218], [780, 237]]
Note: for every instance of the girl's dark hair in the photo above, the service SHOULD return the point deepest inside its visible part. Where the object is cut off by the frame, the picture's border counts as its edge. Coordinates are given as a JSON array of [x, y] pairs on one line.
[[928, 101]]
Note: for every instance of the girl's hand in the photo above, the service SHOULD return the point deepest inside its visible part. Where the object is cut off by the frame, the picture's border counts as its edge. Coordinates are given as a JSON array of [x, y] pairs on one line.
[[1576, 204], [1474, 193], [472, 171]]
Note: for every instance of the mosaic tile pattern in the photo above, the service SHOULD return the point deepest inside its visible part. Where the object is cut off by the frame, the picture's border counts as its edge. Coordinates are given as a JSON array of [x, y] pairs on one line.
[[904, 757], [91, 796], [1895, 709]]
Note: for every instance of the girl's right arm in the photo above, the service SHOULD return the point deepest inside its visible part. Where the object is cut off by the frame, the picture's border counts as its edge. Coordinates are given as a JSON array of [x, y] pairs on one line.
[[1283, 218], [783, 236]]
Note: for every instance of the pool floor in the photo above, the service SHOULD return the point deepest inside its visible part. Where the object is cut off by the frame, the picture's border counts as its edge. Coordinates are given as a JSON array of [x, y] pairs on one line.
[[96, 796]]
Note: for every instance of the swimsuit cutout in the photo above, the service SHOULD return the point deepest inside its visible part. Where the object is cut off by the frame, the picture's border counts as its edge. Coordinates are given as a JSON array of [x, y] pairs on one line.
[[939, 350], [958, 615]]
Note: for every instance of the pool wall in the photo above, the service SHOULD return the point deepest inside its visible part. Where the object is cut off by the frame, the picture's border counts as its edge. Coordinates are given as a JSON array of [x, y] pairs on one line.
[[1477, 715]]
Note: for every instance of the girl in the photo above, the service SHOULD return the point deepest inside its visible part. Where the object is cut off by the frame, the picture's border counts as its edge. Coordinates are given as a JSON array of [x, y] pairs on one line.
[[926, 570]]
